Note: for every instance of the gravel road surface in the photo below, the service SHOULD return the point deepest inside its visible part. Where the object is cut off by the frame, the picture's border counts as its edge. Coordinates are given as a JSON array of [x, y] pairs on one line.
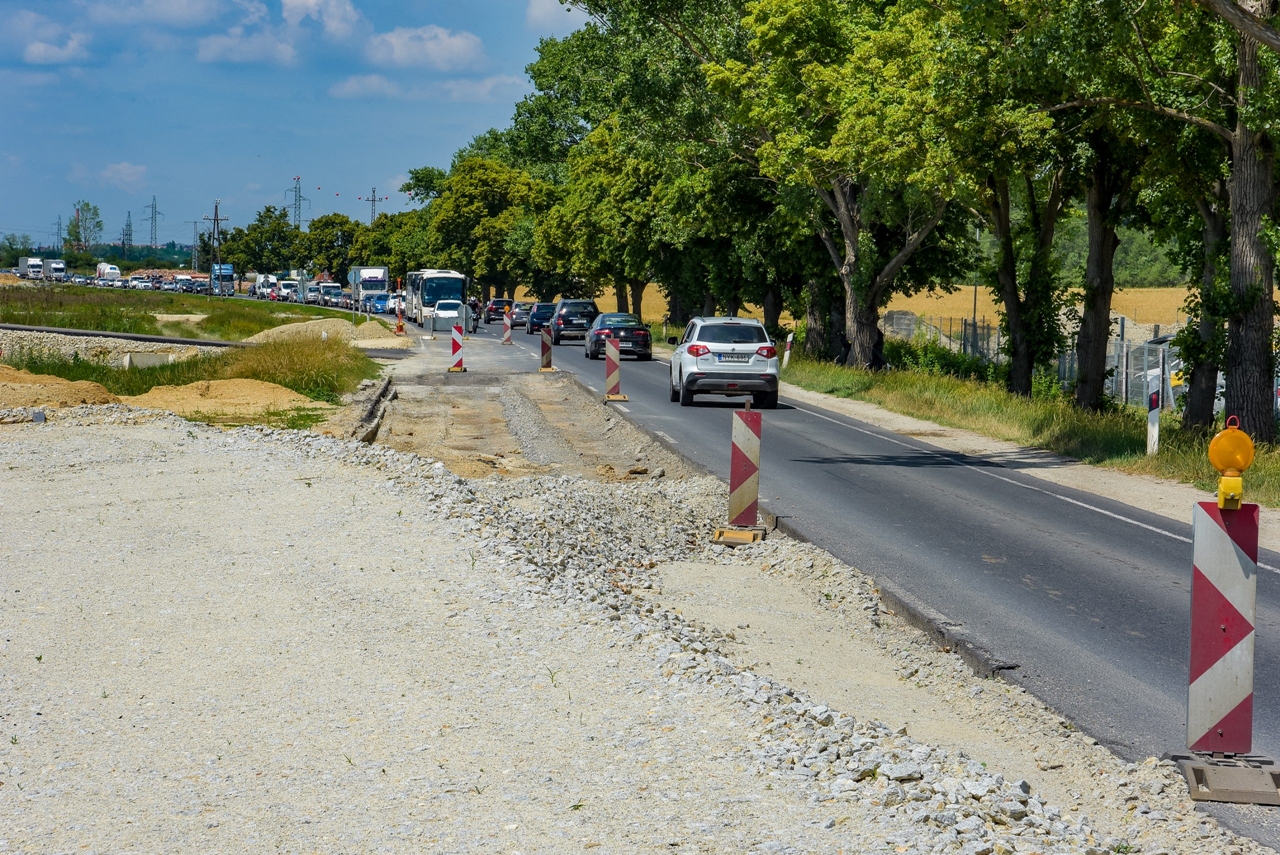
[[229, 641]]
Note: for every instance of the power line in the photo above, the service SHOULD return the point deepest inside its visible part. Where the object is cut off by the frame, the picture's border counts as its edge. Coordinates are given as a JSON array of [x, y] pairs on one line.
[[155, 214], [373, 204], [298, 199], [58, 231], [126, 235], [195, 241], [217, 245]]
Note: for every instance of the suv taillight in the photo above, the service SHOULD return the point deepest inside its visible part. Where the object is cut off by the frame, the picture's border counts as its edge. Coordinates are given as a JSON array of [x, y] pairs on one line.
[[698, 350], [559, 322], [768, 351]]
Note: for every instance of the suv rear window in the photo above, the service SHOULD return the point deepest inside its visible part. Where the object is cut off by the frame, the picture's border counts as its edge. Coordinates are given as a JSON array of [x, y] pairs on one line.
[[732, 334], [578, 306]]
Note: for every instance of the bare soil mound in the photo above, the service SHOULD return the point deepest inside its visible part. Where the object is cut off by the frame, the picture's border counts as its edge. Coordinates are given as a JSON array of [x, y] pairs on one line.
[[221, 397], [371, 330], [24, 389], [323, 328], [178, 319]]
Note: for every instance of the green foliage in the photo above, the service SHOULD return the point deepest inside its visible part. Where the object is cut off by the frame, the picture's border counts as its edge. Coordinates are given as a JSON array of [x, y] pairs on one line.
[[270, 244], [84, 229], [13, 247]]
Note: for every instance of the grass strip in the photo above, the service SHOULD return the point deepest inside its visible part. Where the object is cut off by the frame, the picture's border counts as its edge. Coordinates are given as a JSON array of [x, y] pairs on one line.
[[322, 370], [115, 310], [1116, 439]]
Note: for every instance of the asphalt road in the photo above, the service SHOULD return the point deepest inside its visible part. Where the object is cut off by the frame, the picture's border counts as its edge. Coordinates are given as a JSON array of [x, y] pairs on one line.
[[1085, 600]]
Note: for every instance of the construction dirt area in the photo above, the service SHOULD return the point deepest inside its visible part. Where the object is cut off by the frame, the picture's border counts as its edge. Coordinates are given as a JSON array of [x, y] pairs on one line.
[[520, 424]]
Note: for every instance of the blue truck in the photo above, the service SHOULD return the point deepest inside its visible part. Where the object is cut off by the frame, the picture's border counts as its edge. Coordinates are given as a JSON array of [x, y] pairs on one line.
[[222, 280]]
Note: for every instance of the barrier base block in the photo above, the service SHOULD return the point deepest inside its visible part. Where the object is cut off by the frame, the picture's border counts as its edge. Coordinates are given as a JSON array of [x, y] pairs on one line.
[[546, 370], [1243, 779], [738, 536], [613, 398], [508, 342], [456, 370]]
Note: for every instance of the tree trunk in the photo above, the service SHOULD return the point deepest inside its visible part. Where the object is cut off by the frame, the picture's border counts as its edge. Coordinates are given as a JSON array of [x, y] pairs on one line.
[[1250, 365], [733, 306], [620, 294], [772, 307], [1105, 199], [862, 336], [817, 309], [1030, 318], [1202, 387], [637, 296], [709, 305]]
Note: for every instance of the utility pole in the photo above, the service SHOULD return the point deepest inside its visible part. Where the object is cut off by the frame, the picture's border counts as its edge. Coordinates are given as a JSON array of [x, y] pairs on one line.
[[58, 233], [155, 214], [373, 204], [195, 241], [298, 199], [217, 243], [126, 235]]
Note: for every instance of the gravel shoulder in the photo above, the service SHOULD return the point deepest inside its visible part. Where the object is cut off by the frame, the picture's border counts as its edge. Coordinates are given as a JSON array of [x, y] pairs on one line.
[[385, 656]]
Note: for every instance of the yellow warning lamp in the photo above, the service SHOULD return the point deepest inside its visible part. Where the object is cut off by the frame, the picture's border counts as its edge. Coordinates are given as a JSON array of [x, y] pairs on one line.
[[1231, 453]]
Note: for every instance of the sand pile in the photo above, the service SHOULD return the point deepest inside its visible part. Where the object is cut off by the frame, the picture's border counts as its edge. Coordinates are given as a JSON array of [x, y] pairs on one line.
[[24, 389], [221, 397], [334, 327], [372, 331]]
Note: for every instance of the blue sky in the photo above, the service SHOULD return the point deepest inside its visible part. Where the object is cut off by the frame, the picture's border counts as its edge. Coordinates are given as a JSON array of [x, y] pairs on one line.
[[114, 101]]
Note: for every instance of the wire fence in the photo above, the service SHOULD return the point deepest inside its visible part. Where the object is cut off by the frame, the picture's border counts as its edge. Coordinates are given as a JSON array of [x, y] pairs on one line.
[[1135, 368]]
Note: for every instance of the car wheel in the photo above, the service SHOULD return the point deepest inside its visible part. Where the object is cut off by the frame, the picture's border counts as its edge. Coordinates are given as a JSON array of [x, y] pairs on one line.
[[586, 352], [765, 400], [645, 357], [671, 389], [686, 394], [555, 340]]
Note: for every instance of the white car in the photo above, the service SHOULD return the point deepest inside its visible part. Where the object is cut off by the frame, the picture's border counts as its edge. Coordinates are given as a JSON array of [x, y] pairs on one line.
[[725, 356], [451, 309]]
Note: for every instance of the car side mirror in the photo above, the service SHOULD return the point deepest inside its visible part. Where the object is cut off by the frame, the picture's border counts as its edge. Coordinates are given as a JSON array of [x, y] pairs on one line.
[[673, 340]]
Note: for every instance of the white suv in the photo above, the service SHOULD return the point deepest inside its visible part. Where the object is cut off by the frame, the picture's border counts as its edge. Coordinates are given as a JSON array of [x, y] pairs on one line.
[[725, 356]]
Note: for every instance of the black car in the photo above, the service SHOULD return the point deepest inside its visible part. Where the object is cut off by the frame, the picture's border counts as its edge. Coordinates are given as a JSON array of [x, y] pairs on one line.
[[571, 319], [628, 330], [520, 314], [495, 309], [539, 316]]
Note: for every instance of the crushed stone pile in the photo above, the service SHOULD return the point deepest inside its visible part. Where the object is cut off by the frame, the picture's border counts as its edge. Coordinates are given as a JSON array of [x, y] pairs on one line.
[[221, 397], [24, 389]]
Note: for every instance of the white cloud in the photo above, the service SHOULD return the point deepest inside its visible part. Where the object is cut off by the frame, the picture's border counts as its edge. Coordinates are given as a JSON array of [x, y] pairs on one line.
[[44, 53], [339, 17], [552, 15], [124, 175], [181, 13], [263, 46], [430, 46], [367, 86], [255, 11], [481, 90]]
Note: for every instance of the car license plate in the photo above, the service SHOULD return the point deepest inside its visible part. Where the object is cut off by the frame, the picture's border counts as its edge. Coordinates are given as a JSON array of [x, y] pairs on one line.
[[625, 345], [733, 357]]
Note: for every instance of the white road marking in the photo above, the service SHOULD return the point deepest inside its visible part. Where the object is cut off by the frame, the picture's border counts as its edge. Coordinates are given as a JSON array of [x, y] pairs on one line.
[[666, 436], [1097, 510], [592, 388], [620, 407]]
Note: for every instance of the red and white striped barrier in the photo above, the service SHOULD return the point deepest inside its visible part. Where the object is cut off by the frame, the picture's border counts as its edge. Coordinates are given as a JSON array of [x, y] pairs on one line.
[[546, 350], [457, 349], [744, 469], [1224, 587], [613, 371], [506, 328]]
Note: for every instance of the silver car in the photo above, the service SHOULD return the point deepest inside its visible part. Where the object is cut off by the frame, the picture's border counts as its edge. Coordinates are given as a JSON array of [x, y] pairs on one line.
[[725, 356]]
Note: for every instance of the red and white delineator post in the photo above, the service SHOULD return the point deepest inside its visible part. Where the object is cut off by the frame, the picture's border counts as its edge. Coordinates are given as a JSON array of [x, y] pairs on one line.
[[506, 327], [1224, 584], [786, 354], [613, 371], [457, 366], [744, 481], [546, 351]]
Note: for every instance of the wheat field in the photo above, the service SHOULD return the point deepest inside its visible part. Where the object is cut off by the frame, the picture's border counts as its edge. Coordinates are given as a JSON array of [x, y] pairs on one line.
[[1139, 305]]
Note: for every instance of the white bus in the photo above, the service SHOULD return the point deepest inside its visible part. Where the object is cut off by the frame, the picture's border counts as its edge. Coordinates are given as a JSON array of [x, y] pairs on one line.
[[423, 288]]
